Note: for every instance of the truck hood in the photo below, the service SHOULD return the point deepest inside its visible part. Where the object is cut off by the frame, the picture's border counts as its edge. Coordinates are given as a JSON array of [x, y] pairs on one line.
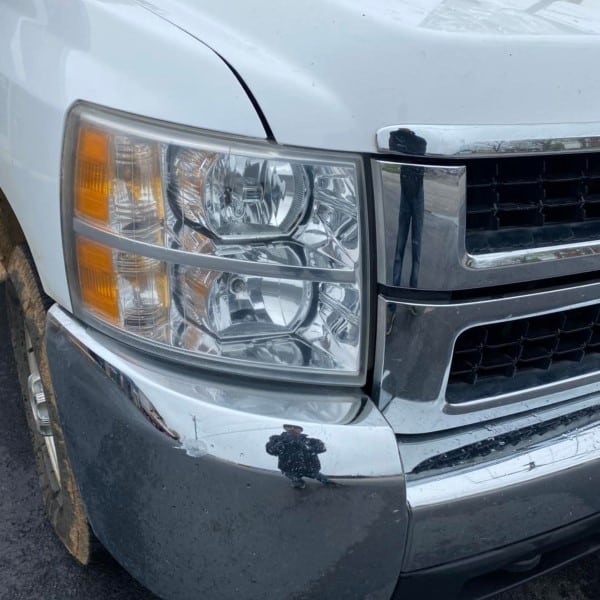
[[329, 73]]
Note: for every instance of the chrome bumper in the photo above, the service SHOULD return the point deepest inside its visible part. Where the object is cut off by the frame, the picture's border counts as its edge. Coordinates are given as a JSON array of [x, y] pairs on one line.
[[492, 486], [178, 484], [179, 487]]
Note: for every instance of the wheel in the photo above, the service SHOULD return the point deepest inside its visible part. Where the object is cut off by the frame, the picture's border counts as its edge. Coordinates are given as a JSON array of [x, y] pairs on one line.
[[27, 306]]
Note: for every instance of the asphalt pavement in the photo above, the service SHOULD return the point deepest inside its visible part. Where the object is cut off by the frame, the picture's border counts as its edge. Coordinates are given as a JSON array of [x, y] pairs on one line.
[[34, 565]]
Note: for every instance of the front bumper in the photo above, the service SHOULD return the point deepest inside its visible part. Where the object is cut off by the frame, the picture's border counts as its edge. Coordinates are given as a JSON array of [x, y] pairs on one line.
[[178, 485]]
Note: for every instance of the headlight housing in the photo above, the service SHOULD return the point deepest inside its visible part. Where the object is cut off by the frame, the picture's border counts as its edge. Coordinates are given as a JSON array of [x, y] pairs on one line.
[[218, 250]]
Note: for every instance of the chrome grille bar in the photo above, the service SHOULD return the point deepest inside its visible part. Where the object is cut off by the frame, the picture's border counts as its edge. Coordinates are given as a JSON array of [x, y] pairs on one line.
[[415, 345], [423, 231]]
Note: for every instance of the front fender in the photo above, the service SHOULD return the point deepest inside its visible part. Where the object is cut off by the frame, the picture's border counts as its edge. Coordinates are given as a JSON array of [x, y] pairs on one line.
[[117, 54]]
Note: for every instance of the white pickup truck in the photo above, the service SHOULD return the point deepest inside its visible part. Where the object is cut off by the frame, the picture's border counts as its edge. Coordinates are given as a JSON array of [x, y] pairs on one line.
[[305, 297]]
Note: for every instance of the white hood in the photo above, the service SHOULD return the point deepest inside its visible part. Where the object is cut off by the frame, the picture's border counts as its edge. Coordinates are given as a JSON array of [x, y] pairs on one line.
[[329, 73]]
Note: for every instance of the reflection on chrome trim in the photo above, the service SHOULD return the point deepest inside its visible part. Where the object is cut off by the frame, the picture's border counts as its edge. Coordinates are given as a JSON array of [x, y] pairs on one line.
[[221, 418], [420, 224], [297, 455], [443, 263], [491, 140], [532, 255]]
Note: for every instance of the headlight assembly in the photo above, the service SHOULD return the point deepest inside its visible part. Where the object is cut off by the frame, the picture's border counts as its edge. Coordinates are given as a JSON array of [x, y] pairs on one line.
[[219, 250]]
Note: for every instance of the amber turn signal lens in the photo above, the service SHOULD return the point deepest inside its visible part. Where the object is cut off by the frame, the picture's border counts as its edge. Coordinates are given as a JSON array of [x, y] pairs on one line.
[[97, 278], [93, 174]]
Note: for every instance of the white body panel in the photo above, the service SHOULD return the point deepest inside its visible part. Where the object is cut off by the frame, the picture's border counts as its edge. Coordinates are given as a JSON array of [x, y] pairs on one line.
[[118, 54], [330, 73]]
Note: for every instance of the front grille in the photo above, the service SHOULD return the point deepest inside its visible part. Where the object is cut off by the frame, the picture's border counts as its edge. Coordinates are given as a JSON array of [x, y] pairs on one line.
[[531, 351], [532, 201]]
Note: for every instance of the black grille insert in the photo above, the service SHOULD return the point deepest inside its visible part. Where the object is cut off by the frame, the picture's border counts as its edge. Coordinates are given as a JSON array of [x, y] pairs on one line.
[[532, 201], [529, 351]]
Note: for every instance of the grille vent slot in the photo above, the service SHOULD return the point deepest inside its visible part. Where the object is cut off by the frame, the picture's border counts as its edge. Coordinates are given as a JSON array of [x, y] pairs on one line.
[[541, 349], [532, 201]]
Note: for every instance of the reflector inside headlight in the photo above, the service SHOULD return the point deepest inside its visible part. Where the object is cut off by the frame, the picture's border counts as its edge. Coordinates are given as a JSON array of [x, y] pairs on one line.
[[214, 247], [236, 196]]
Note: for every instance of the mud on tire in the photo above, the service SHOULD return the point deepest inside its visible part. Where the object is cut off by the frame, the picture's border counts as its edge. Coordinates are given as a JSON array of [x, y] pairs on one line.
[[27, 306]]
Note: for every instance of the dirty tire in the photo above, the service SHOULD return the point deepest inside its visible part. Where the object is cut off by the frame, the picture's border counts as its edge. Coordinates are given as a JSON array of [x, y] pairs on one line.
[[27, 306]]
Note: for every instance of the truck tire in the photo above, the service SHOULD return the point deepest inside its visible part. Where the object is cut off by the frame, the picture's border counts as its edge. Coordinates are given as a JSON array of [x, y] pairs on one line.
[[27, 306]]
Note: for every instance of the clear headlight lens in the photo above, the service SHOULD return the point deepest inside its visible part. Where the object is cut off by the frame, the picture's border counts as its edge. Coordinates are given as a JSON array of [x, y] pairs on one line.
[[238, 197], [225, 249]]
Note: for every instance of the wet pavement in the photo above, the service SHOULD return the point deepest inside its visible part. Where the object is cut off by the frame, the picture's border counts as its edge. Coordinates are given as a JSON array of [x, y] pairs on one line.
[[34, 565]]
